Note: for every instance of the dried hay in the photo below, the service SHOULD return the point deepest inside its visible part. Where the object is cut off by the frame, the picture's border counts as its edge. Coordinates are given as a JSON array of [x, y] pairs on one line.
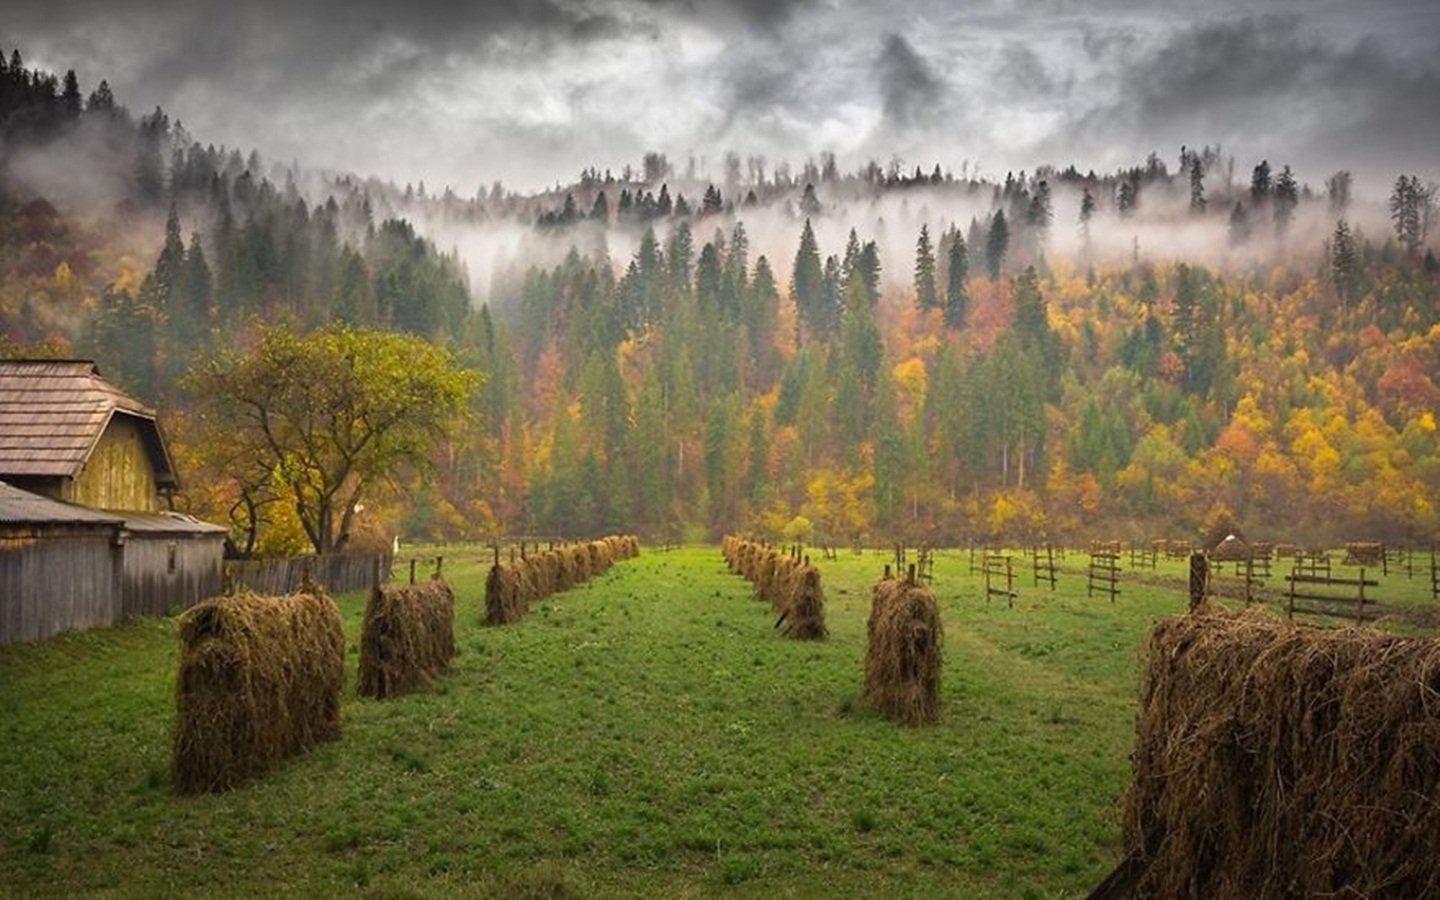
[[804, 611], [512, 588], [504, 602], [903, 656], [1364, 553], [259, 681], [1276, 760], [407, 638]]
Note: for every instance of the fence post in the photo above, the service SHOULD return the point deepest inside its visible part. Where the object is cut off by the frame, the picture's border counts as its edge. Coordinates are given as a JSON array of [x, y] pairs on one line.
[[412, 571], [1199, 579], [439, 564]]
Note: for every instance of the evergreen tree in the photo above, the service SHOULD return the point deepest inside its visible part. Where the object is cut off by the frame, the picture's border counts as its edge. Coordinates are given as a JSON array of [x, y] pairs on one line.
[[1239, 225], [1344, 262], [996, 244], [101, 99], [1409, 208], [1337, 189], [1287, 197], [199, 284], [1038, 216], [1127, 199], [1260, 183], [957, 300], [1197, 185], [809, 203], [926, 295], [70, 102], [806, 284], [169, 273]]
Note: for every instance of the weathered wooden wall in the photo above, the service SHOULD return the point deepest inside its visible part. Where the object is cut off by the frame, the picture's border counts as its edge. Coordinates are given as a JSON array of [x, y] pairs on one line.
[[56, 579], [119, 473], [337, 573], [149, 588]]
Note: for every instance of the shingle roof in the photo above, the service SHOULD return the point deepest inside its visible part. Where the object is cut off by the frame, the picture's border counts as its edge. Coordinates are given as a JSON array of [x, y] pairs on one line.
[[52, 413], [23, 507]]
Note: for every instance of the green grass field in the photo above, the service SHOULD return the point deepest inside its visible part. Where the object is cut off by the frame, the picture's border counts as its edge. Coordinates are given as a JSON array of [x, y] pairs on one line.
[[644, 734]]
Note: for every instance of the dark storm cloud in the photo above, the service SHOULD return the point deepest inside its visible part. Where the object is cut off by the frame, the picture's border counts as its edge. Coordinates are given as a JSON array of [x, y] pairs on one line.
[[909, 88], [1265, 82], [533, 90]]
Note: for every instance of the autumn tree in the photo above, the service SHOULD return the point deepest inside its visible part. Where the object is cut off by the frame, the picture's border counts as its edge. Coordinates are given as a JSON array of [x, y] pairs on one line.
[[334, 414]]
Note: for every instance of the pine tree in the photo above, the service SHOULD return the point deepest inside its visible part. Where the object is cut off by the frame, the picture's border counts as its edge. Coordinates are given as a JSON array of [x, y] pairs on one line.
[[1344, 263], [1260, 183], [1038, 216], [1197, 185], [997, 242], [1239, 225], [1127, 199], [806, 283], [1409, 203], [925, 292], [101, 99], [1287, 197], [957, 301], [199, 285], [70, 97], [169, 272]]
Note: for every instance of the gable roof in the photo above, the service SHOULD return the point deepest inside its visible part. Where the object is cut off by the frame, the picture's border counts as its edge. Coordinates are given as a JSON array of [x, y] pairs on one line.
[[19, 507], [53, 412]]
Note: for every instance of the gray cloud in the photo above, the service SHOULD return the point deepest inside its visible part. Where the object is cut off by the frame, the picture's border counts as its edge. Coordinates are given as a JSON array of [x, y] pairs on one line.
[[909, 87], [1265, 87], [532, 91]]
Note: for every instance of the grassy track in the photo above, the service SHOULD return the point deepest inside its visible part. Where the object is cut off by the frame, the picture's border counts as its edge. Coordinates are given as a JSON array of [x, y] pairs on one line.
[[646, 733]]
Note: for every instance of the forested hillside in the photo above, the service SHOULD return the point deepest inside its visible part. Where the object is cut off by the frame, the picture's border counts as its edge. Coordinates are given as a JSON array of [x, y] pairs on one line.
[[897, 351]]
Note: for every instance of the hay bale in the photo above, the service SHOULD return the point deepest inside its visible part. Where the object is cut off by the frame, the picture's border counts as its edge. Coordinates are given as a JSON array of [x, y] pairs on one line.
[[259, 681], [903, 655], [804, 615], [1276, 760], [504, 602], [407, 638]]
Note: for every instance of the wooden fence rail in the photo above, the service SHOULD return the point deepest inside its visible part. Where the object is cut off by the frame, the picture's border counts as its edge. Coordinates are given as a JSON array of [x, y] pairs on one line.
[[1104, 574], [1319, 596], [337, 573]]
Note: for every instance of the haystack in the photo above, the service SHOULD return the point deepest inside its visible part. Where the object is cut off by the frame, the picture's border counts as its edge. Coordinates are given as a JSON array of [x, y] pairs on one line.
[[1277, 760], [803, 617], [902, 660], [407, 638], [259, 681], [503, 600]]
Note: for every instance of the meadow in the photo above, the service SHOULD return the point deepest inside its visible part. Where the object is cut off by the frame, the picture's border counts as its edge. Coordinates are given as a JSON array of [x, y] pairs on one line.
[[647, 733]]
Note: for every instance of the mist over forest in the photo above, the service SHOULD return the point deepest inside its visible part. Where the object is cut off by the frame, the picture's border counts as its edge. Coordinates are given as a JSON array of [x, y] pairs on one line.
[[872, 342]]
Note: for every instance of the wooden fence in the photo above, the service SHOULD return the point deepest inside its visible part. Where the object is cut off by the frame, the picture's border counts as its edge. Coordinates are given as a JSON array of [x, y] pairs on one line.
[[997, 572], [1103, 575], [338, 573]]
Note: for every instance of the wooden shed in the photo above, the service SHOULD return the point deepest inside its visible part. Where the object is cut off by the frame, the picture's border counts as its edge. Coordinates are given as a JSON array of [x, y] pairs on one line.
[[68, 434], [98, 458], [171, 560], [60, 565]]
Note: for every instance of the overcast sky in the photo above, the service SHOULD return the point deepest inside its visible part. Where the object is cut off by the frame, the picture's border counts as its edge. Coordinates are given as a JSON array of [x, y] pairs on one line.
[[532, 91]]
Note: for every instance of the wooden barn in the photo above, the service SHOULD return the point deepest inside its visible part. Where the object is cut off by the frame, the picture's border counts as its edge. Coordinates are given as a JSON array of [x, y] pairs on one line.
[[84, 465]]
